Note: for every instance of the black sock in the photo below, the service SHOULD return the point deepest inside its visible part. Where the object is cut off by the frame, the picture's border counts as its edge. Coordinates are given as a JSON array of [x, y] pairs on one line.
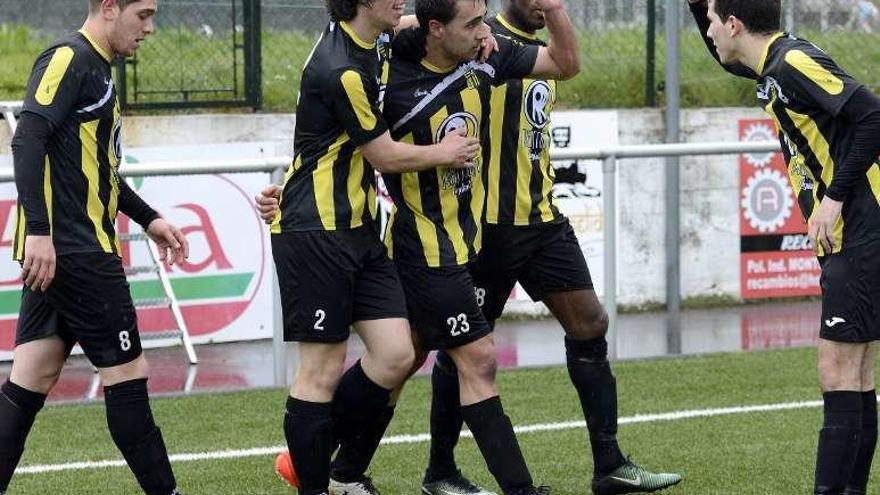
[[838, 440], [590, 373], [360, 416], [131, 425], [18, 408], [446, 420], [356, 453], [308, 427], [858, 479], [497, 442]]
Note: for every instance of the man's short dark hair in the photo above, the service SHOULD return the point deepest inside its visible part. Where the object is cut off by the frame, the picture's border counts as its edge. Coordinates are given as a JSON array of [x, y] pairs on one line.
[[442, 11], [758, 16], [94, 4], [345, 10]]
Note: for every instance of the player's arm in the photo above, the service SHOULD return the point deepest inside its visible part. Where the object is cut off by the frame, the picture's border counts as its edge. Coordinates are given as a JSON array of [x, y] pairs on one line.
[[559, 60], [367, 129], [171, 242], [700, 10], [51, 95], [388, 156], [407, 26], [406, 22], [863, 112]]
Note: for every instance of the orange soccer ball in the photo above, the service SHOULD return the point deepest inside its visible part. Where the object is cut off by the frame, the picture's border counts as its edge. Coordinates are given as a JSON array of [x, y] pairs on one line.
[[284, 468]]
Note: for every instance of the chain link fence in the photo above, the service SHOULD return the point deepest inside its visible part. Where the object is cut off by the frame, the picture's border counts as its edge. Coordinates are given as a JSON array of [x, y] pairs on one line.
[[197, 50]]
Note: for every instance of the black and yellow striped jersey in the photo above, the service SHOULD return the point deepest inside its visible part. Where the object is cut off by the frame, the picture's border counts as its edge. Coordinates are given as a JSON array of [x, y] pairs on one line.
[[437, 213], [518, 174], [329, 185], [71, 87], [804, 92]]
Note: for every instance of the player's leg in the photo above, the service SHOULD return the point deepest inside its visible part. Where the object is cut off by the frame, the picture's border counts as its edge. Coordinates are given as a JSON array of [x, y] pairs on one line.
[[858, 479], [557, 274], [364, 403], [506, 249], [484, 415], [91, 294], [839, 439], [35, 368], [848, 325]]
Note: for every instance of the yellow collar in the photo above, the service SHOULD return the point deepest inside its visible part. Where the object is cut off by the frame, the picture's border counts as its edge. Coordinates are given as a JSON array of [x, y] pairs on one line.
[[763, 59], [433, 68], [96, 46], [519, 32], [354, 37]]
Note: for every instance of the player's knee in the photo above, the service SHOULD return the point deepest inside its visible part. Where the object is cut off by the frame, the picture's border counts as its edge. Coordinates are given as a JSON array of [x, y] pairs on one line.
[[478, 363], [399, 361], [592, 324], [837, 374], [320, 377], [37, 377]]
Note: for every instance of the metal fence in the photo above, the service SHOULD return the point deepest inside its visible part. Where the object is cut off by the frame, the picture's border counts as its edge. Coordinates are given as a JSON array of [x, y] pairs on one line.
[[201, 49]]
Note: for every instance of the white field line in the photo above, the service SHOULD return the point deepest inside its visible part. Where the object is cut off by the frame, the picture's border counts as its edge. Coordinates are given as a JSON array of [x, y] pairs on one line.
[[424, 437]]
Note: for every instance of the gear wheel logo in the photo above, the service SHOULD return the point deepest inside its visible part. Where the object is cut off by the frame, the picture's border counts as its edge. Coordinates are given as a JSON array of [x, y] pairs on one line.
[[759, 132], [767, 200]]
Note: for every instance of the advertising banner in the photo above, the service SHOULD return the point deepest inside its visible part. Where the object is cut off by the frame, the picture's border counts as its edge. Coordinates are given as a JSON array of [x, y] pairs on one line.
[[776, 255]]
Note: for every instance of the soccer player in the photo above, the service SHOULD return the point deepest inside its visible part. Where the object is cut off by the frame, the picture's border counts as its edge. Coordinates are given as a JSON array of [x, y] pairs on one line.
[[333, 271], [433, 234], [66, 151], [527, 239], [829, 127]]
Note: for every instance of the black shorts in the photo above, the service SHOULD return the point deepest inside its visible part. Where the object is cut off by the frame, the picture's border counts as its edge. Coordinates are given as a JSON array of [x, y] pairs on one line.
[[443, 309], [332, 279], [544, 258], [89, 303], [851, 294]]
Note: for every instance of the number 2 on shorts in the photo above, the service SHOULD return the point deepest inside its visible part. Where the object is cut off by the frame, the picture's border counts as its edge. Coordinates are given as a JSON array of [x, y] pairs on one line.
[[319, 323]]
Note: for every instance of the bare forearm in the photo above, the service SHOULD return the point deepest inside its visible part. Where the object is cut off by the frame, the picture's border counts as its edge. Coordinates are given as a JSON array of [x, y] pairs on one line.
[[563, 48], [400, 157]]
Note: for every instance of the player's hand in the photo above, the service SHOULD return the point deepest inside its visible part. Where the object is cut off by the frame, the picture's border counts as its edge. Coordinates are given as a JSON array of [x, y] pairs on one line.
[[459, 149], [267, 202], [38, 268], [821, 229], [171, 242], [489, 44]]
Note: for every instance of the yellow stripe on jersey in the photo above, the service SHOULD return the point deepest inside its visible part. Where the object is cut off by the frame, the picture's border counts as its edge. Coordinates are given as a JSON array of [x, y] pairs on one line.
[[113, 203], [389, 239], [19, 233], [448, 199], [95, 45], [47, 192], [523, 166], [874, 180], [354, 37], [412, 196], [805, 64], [51, 80], [819, 146], [473, 104], [88, 137], [496, 137], [548, 176], [357, 98], [322, 183], [275, 227], [355, 192]]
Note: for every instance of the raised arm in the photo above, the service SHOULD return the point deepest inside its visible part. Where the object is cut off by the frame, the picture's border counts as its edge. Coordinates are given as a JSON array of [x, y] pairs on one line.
[[700, 10], [560, 60]]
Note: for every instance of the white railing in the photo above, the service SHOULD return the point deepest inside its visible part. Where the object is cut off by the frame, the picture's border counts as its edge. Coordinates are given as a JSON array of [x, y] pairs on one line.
[[609, 155]]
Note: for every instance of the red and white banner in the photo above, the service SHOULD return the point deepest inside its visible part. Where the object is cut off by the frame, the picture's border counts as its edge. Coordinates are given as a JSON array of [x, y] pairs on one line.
[[777, 258]]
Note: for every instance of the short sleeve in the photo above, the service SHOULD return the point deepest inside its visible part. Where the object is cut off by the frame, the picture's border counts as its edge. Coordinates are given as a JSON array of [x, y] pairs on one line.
[[817, 80], [357, 112], [54, 84], [513, 60]]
